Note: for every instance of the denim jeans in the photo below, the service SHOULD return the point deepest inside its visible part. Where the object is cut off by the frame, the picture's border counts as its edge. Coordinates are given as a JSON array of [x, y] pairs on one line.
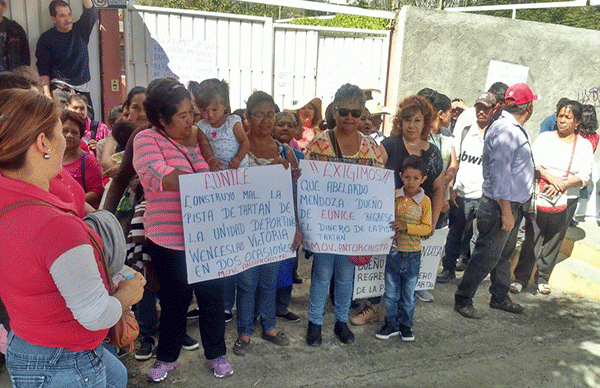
[[30, 365], [493, 251], [146, 314], [325, 266], [257, 287], [460, 215], [401, 275], [229, 288]]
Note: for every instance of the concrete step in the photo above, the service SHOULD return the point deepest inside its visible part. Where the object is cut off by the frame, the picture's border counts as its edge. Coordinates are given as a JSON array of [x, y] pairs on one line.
[[578, 268], [577, 277]]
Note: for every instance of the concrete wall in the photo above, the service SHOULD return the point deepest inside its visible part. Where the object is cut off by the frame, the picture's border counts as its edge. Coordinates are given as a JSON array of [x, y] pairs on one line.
[[450, 52]]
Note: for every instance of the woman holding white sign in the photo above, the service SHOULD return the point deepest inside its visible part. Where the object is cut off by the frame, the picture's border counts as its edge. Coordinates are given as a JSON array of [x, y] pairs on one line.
[[343, 144], [161, 154], [257, 285]]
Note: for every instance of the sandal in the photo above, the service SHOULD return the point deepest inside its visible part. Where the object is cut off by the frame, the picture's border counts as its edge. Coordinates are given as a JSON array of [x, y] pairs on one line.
[[516, 287], [544, 289], [279, 339], [240, 347]]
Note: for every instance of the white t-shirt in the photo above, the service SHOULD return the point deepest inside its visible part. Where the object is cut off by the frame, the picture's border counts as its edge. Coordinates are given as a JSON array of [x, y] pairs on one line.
[[467, 117], [554, 155], [469, 177], [222, 140]]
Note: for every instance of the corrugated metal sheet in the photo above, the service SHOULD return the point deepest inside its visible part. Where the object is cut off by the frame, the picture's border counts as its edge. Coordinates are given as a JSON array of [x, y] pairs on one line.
[[288, 61]]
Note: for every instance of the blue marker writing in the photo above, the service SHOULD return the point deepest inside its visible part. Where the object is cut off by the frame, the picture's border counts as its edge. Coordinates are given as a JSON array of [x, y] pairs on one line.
[[130, 276]]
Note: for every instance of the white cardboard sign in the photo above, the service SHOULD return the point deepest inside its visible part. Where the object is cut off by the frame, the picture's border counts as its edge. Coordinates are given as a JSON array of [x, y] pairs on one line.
[[369, 280], [345, 208], [233, 221]]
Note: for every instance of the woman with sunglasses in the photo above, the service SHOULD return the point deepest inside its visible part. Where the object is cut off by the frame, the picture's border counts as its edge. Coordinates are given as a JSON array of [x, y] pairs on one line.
[[344, 144]]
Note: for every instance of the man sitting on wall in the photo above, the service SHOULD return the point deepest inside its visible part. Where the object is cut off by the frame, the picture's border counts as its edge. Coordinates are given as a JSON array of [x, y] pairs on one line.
[[62, 52]]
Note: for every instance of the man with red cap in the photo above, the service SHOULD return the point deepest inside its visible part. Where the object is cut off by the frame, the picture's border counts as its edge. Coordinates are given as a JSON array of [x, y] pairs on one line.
[[508, 174]]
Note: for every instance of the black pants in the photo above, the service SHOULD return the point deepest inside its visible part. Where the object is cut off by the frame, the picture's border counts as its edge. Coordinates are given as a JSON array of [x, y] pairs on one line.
[[284, 297], [175, 296], [493, 251], [543, 239]]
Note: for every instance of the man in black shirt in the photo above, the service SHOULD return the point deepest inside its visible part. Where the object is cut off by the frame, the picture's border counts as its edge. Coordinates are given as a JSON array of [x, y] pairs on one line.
[[14, 49]]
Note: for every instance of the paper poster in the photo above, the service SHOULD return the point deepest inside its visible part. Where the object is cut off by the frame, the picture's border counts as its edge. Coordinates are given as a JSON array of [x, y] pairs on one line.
[[184, 59], [346, 208], [369, 280], [233, 221], [432, 250], [508, 73], [284, 82]]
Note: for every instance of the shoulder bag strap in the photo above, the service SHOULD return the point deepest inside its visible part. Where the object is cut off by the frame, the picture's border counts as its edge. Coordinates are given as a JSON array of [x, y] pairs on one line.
[[179, 148], [463, 135], [82, 168], [94, 129], [572, 154], [100, 251], [283, 152], [334, 143], [20, 203]]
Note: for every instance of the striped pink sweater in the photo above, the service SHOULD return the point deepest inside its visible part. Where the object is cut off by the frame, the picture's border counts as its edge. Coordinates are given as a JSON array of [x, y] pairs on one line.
[[154, 157]]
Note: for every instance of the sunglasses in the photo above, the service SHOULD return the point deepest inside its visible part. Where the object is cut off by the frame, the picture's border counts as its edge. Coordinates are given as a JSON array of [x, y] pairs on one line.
[[344, 112]]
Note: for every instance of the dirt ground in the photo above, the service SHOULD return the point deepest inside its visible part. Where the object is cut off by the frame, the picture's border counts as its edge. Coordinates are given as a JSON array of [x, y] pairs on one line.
[[555, 343]]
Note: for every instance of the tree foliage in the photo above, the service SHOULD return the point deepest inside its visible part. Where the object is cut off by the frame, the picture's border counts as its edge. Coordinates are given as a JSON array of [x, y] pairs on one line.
[[583, 17], [346, 21], [303, 17]]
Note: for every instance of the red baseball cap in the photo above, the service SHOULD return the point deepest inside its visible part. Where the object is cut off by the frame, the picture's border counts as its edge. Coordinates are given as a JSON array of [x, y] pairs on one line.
[[519, 94]]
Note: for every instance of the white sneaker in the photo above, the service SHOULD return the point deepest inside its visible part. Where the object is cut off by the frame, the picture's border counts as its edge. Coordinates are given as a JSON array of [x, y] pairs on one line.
[[424, 296]]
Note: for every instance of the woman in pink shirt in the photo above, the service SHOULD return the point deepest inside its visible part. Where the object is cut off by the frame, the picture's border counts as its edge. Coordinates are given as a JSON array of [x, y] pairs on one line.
[[83, 166], [94, 130], [53, 286], [160, 154]]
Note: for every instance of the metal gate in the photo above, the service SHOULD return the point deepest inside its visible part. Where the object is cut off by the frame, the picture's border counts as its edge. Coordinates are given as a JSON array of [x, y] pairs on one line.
[[252, 53]]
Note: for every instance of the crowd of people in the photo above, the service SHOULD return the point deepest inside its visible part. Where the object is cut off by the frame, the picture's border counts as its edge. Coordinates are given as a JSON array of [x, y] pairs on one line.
[[80, 196]]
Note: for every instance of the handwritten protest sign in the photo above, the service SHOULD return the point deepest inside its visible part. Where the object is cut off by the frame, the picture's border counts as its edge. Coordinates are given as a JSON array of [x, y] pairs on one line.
[[233, 221], [369, 280], [184, 59], [432, 250], [345, 208]]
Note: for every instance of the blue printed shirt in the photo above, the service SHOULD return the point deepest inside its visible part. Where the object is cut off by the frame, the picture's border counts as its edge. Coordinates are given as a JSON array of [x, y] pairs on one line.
[[508, 169]]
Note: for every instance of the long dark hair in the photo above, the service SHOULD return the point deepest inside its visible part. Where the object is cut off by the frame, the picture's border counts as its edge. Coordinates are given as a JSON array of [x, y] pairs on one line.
[[589, 122], [162, 98]]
